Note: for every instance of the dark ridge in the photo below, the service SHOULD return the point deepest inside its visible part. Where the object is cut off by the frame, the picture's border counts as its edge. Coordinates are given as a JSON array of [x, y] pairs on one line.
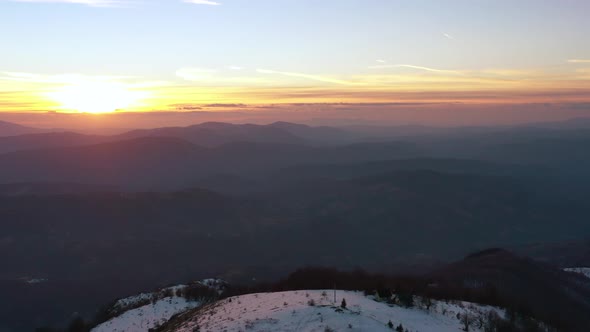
[[488, 252]]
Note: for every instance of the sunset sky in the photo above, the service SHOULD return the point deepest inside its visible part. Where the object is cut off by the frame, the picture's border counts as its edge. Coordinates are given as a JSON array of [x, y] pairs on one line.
[[145, 55]]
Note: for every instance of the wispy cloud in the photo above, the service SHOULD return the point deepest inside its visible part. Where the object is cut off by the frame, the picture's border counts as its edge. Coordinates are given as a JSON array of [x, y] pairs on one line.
[[381, 61], [203, 2], [443, 71], [309, 77], [92, 3], [578, 60]]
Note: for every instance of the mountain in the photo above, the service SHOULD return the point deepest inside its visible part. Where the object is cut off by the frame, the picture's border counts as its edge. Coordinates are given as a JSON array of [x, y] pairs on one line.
[[491, 290], [403, 217], [216, 133], [560, 298], [150, 161], [142, 312], [320, 134], [172, 163], [48, 140], [13, 129], [445, 165], [315, 310], [212, 134]]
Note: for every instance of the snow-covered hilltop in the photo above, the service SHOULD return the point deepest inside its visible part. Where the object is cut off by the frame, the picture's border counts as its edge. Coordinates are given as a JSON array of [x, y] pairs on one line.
[[315, 310], [148, 316], [385, 303], [144, 311]]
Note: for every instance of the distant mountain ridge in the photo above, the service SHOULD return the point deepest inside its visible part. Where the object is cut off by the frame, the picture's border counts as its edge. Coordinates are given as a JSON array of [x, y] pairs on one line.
[[48, 140], [13, 129], [216, 133], [168, 162], [209, 134]]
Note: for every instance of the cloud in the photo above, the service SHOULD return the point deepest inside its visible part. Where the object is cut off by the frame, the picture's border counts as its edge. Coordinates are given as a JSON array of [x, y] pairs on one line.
[[219, 105], [443, 71], [92, 3], [381, 61], [203, 2], [578, 60], [309, 77], [448, 36]]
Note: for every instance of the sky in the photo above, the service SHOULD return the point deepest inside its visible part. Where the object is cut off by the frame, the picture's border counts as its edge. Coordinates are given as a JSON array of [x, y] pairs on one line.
[[99, 56]]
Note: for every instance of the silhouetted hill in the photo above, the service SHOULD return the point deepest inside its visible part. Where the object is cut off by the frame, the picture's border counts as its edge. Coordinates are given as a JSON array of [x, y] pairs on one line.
[[12, 129], [217, 133], [397, 218], [145, 161], [172, 163], [318, 135], [389, 218], [560, 298], [211, 134], [48, 140], [432, 212], [446, 165], [570, 152]]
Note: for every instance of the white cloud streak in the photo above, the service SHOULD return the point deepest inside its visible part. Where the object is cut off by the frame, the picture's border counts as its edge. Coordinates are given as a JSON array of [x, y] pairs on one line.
[[448, 36], [578, 60], [203, 2], [309, 77], [434, 70]]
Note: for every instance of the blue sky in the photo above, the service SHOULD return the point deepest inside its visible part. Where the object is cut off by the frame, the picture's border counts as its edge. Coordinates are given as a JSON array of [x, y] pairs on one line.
[[340, 39], [301, 35]]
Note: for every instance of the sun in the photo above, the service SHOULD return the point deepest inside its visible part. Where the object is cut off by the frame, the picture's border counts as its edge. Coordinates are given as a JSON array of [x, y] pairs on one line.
[[96, 97]]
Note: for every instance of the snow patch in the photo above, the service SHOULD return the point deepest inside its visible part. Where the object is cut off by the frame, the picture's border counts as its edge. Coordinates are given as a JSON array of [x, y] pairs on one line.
[[314, 310], [146, 317], [141, 312], [581, 270]]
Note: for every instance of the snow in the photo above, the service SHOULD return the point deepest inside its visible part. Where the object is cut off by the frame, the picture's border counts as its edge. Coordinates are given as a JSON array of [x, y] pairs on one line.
[[141, 312], [148, 316], [582, 270], [291, 311], [218, 284], [32, 281]]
